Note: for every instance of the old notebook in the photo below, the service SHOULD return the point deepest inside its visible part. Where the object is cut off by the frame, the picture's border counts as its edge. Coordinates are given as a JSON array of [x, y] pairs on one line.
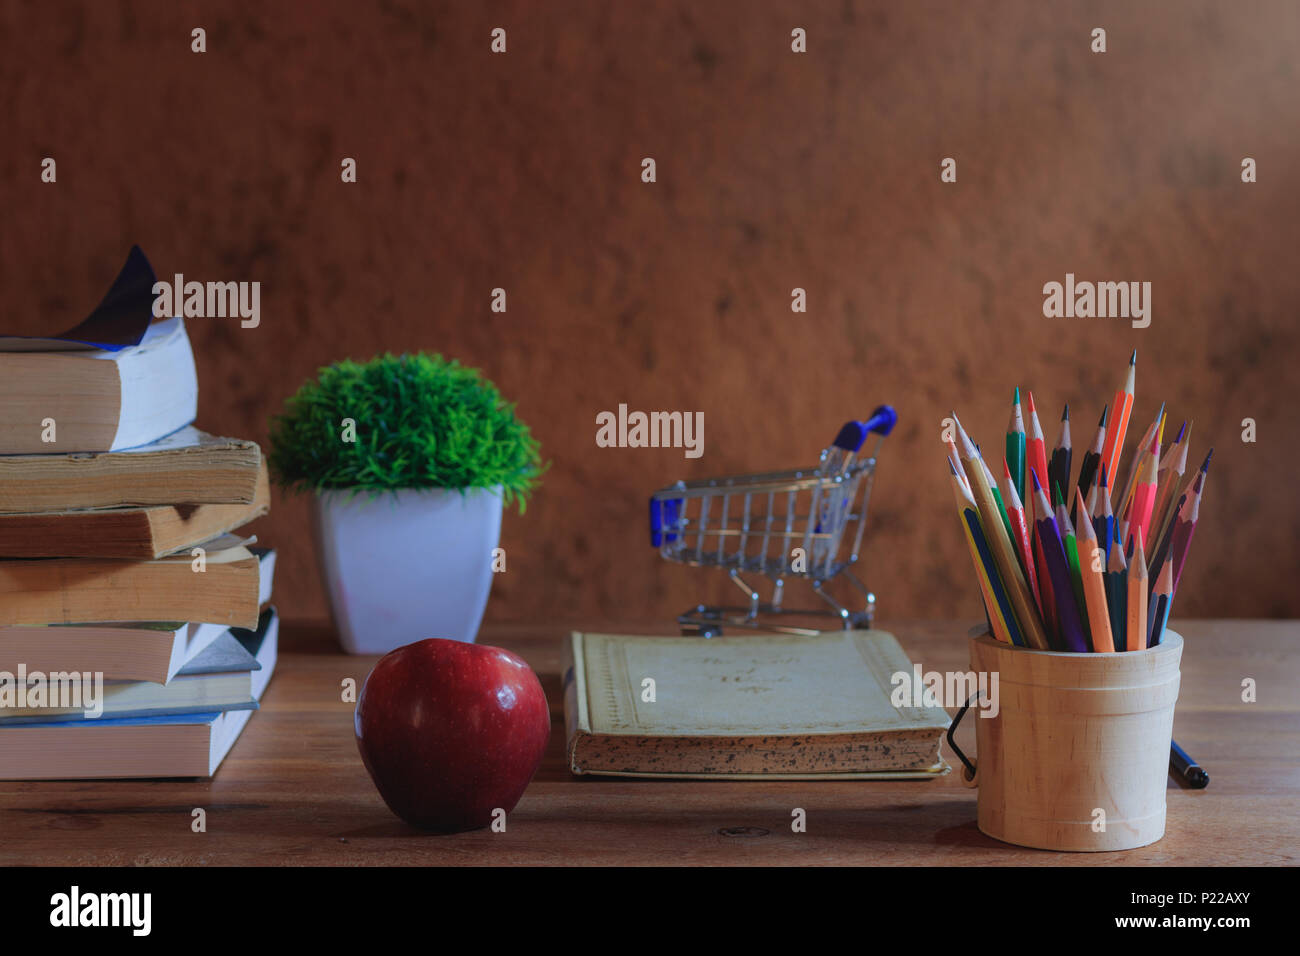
[[752, 707]]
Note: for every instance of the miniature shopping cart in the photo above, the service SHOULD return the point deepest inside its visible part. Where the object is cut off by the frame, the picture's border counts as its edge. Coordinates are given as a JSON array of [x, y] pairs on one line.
[[789, 524]]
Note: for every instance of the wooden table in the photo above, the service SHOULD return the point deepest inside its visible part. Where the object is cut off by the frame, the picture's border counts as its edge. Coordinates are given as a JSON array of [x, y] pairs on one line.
[[293, 790]]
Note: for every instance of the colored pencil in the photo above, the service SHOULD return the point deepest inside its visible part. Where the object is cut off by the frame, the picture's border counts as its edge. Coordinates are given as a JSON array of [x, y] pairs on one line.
[[1046, 604], [999, 541], [1035, 448], [1182, 766], [1092, 569], [1180, 540], [1135, 466], [1049, 534], [1053, 579], [1016, 445], [1001, 619], [997, 498], [1121, 408], [1170, 476], [1103, 519], [1058, 466], [1070, 540], [1117, 594], [1019, 529], [1144, 496], [1090, 507], [1091, 459], [956, 462], [1161, 600], [1135, 626], [1165, 543]]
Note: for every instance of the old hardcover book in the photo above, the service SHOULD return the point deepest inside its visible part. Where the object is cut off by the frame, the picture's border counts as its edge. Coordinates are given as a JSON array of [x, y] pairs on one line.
[[180, 745], [186, 467], [142, 533], [148, 651], [225, 675], [219, 587], [751, 707], [98, 400]]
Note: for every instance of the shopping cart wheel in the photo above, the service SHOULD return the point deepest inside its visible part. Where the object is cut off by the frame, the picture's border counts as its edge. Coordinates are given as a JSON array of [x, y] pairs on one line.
[[701, 630]]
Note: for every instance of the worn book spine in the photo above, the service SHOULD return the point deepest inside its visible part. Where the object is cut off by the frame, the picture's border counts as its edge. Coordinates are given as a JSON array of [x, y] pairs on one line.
[[189, 467], [128, 533], [93, 590], [82, 396], [577, 722]]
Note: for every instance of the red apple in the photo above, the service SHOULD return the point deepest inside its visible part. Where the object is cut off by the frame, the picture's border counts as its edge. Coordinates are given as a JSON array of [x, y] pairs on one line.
[[451, 731]]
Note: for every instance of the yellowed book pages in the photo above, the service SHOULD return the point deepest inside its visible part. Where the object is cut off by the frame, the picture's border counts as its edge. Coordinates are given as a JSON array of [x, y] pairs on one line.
[[95, 590], [141, 533], [764, 706], [57, 402], [187, 467], [126, 532]]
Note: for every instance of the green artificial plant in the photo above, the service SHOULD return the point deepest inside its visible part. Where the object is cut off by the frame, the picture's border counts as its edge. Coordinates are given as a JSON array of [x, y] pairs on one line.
[[419, 421]]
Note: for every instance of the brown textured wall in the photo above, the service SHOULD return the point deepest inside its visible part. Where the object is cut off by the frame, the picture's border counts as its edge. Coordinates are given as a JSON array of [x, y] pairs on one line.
[[775, 170]]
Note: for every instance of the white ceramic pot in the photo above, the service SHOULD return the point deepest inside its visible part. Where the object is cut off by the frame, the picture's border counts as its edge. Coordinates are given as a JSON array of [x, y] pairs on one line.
[[405, 566]]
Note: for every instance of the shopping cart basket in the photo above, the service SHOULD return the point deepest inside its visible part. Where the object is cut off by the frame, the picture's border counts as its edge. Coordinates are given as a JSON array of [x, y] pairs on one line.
[[799, 524]]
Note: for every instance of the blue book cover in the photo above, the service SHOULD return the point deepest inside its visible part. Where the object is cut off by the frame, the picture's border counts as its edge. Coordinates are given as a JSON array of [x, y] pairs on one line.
[[118, 322]]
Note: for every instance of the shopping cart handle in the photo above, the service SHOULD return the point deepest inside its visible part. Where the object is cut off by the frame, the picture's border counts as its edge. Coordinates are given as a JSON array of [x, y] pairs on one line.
[[853, 434], [665, 519], [851, 437], [882, 420]]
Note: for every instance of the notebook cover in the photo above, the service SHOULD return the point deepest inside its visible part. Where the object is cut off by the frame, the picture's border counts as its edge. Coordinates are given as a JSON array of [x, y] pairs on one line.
[[742, 687]]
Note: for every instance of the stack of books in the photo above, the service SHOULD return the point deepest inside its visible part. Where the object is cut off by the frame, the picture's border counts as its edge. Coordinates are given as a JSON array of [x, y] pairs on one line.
[[136, 633]]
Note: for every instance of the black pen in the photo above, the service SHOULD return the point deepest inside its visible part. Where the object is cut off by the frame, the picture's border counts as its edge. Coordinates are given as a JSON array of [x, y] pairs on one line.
[[1181, 765]]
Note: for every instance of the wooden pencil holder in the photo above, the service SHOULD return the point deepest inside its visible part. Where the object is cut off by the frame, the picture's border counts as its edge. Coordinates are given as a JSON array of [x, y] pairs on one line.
[[1077, 755]]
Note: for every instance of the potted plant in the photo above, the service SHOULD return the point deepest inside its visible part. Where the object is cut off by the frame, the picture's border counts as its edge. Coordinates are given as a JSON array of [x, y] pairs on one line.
[[412, 460]]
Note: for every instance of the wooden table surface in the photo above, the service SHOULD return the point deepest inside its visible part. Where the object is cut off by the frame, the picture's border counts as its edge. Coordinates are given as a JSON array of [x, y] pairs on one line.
[[294, 791]]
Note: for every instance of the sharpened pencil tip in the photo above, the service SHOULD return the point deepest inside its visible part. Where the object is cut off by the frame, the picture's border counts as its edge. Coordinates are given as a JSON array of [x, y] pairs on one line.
[[1065, 415], [1030, 402], [1104, 410], [1132, 359], [1205, 465], [1165, 583], [966, 447], [1015, 397], [1181, 432], [1034, 474]]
